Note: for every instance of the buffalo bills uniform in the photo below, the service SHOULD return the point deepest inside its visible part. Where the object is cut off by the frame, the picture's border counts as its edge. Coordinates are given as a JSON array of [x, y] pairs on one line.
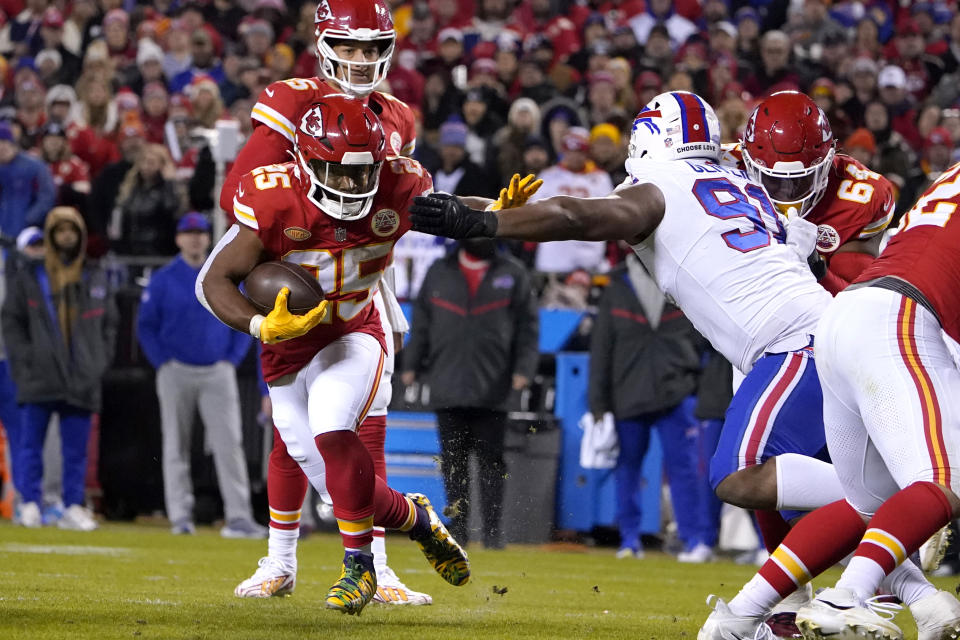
[[348, 258], [720, 253], [891, 388]]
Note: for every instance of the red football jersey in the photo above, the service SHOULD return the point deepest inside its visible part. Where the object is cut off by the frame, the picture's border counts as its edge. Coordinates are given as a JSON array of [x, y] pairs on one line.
[[276, 112], [73, 171], [926, 250], [348, 257], [857, 205]]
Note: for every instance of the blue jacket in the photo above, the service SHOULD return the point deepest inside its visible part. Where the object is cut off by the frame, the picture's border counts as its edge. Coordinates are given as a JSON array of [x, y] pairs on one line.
[[27, 194], [173, 325]]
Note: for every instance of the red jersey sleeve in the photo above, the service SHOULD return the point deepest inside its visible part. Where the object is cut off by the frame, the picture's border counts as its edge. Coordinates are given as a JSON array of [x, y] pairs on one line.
[[280, 103], [253, 208], [858, 205], [265, 146], [399, 124], [410, 180]]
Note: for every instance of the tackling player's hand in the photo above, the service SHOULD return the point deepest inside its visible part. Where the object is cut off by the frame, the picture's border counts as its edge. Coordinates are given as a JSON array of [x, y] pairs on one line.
[[280, 324], [517, 192], [817, 265], [442, 214]]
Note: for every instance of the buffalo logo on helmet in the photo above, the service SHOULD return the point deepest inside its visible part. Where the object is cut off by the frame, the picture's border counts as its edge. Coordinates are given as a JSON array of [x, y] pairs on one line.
[[827, 238], [385, 222]]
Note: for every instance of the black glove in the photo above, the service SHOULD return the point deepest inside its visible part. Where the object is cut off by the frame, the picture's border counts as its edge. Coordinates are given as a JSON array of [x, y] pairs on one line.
[[442, 214], [817, 265]]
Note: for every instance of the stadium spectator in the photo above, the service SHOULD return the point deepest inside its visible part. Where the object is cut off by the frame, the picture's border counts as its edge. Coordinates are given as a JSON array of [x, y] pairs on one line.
[[536, 155], [106, 185], [71, 175], [21, 36], [922, 71], [52, 33], [558, 116], [644, 364], [59, 322], [894, 158], [28, 192], [863, 78], [608, 151], [120, 46], [575, 175], [866, 39], [204, 63], [177, 58], [892, 83], [149, 66], [457, 173], [196, 357], [206, 104], [661, 12], [937, 156], [523, 120], [30, 117], [481, 124], [602, 99], [775, 71], [747, 21], [156, 102], [145, 216], [95, 123], [486, 294], [862, 146]]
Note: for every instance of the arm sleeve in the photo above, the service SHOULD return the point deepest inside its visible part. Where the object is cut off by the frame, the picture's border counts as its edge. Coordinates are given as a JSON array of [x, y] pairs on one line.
[[46, 194], [526, 339], [843, 269], [415, 352], [599, 392], [149, 321]]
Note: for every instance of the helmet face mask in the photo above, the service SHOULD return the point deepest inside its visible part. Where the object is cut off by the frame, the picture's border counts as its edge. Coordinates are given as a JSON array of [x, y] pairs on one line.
[[788, 147], [344, 29], [340, 148], [676, 125]]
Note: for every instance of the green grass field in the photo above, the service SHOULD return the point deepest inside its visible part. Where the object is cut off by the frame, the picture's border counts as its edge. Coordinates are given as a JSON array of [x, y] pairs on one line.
[[138, 581]]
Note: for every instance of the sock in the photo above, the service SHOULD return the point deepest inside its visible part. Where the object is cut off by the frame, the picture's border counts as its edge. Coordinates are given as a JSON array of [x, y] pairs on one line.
[[351, 483], [373, 433], [379, 547], [805, 483], [286, 490], [802, 555], [908, 583], [904, 522], [773, 528], [397, 512]]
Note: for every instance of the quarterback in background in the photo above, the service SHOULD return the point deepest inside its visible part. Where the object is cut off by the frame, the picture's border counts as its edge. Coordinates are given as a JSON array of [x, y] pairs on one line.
[[337, 211], [355, 41]]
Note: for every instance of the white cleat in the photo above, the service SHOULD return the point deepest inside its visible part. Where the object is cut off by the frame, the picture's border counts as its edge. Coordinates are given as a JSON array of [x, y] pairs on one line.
[[272, 578], [390, 590], [932, 551], [698, 555], [723, 624], [796, 600], [937, 617], [77, 518], [30, 515], [838, 614]]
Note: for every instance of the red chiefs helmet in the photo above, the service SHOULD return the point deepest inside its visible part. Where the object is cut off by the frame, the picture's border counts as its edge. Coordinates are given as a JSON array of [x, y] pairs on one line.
[[340, 147], [367, 21], [788, 147]]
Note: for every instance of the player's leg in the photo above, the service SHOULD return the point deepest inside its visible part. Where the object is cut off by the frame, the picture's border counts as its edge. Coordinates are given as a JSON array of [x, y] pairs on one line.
[[775, 411], [219, 404], [177, 395], [634, 437], [909, 407], [34, 421], [488, 429]]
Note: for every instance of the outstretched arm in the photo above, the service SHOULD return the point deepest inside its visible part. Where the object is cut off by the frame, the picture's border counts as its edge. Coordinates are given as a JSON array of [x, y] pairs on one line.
[[630, 214]]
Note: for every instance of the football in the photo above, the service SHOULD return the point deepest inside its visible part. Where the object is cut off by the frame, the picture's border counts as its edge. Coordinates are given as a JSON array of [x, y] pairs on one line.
[[262, 285]]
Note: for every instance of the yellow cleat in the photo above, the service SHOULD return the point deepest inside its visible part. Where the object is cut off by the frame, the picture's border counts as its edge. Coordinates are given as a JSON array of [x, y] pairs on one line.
[[443, 553], [355, 587]]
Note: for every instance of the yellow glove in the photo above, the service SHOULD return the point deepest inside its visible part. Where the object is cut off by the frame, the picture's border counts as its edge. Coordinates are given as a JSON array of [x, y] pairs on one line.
[[280, 324], [517, 192]]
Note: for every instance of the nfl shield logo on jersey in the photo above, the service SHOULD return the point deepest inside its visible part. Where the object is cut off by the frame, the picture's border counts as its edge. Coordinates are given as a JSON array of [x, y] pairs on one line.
[[340, 234]]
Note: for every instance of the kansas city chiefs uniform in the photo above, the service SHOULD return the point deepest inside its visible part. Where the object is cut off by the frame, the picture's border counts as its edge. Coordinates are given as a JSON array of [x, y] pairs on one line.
[[280, 106], [348, 257]]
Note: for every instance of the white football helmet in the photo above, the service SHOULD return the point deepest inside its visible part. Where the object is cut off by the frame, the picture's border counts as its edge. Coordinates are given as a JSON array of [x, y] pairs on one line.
[[675, 126]]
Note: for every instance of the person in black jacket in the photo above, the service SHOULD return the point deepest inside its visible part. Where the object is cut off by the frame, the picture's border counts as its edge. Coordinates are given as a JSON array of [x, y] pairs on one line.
[[59, 322], [474, 339], [644, 363]]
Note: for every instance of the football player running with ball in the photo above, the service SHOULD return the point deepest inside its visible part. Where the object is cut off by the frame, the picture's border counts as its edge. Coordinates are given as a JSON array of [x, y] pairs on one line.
[[355, 41], [337, 210]]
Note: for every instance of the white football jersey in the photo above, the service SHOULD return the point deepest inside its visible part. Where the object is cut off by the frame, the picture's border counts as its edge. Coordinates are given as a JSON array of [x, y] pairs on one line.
[[719, 252]]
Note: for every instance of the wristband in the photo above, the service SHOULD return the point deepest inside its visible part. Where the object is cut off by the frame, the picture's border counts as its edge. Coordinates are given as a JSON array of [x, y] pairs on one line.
[[255, 323]]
